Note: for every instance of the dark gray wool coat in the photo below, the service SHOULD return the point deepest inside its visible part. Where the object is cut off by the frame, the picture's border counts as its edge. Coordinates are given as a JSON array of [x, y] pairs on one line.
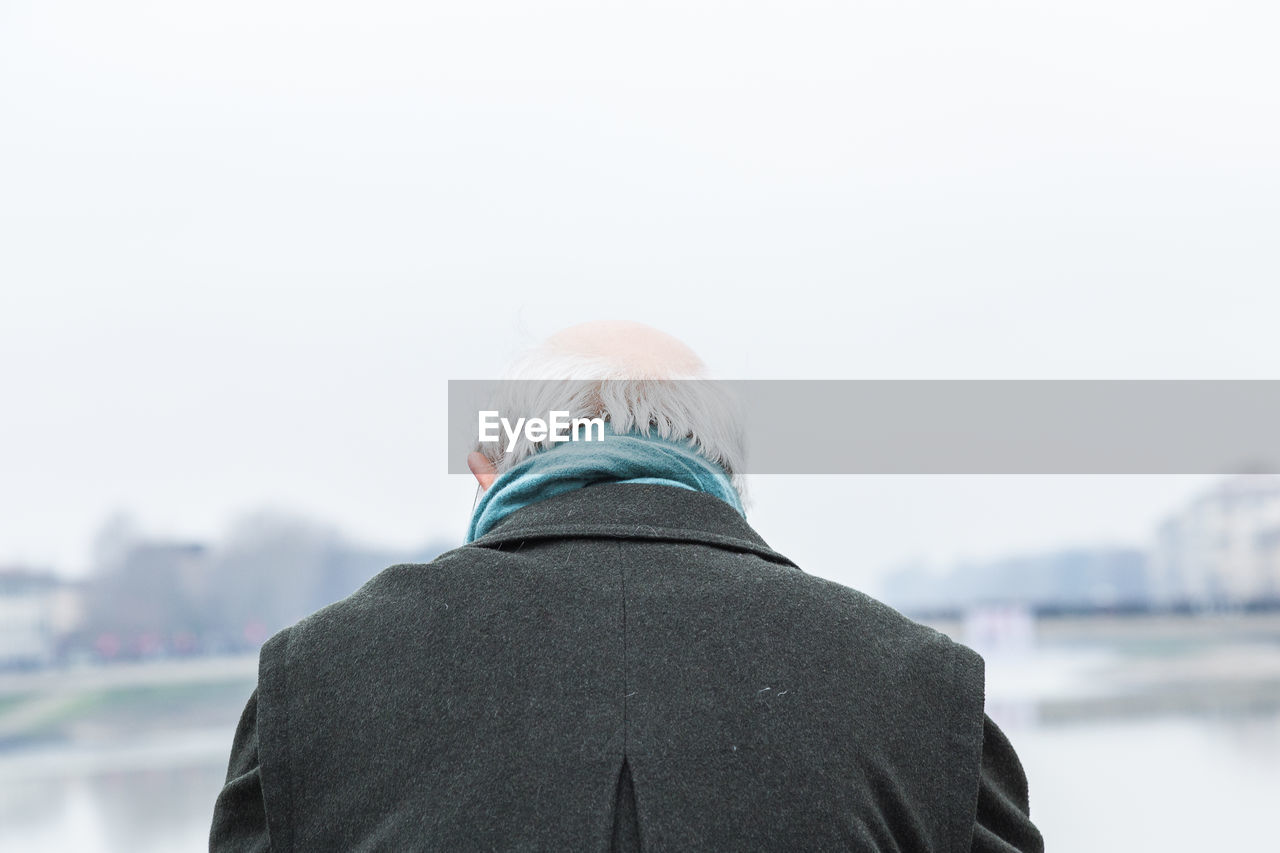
[[624, 667]]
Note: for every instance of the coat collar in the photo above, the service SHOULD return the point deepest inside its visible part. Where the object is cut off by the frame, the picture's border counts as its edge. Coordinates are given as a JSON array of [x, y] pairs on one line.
[[632, 511]]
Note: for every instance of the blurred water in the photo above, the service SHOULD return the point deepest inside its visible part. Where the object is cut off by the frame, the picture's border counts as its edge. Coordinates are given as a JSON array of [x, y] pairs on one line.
[[146, 810], [1167, 785]]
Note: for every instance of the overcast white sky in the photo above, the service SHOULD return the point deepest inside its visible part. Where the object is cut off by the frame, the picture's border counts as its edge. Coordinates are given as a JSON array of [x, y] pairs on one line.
[[244, 245]]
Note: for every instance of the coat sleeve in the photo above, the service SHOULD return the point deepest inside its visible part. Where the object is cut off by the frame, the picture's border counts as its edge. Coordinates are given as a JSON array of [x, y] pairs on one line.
[[1003, 822], [240, 814]]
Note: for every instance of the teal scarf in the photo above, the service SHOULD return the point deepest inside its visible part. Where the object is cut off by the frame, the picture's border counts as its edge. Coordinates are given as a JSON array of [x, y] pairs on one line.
[[628, 458]]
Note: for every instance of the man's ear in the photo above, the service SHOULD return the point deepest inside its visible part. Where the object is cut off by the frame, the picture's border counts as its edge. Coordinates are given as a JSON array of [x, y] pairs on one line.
[[483, 470]]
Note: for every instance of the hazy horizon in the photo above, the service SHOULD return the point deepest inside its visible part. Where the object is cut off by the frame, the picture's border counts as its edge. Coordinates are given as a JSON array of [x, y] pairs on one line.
[[242, 254]]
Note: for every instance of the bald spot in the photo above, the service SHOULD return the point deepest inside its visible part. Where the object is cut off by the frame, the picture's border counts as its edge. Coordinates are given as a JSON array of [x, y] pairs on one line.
[[637, 349]]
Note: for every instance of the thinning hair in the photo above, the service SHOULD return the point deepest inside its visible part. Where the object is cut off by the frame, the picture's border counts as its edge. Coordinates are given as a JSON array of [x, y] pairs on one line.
[[682, 406]]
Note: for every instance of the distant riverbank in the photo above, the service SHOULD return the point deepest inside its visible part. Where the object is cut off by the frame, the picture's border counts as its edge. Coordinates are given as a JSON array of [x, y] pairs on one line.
[[110, 704], [1073, 668]]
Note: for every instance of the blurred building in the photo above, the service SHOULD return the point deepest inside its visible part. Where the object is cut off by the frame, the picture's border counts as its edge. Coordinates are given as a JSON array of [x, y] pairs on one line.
[[37, 611], [1068, 579], [148, 600], [1222, 549]]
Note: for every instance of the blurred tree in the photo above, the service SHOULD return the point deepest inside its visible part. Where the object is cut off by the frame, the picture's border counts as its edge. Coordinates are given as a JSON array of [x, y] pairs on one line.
[[149, 597]]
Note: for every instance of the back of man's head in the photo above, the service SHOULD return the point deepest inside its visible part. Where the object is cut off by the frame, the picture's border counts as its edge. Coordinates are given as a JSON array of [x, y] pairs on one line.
[[635, 377]]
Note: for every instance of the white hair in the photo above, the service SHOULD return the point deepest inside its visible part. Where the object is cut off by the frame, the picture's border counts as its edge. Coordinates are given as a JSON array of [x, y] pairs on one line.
[[686, 407]]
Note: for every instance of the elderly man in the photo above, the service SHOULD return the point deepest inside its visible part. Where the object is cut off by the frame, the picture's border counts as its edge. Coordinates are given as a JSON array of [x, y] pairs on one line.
[[617, 661]]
